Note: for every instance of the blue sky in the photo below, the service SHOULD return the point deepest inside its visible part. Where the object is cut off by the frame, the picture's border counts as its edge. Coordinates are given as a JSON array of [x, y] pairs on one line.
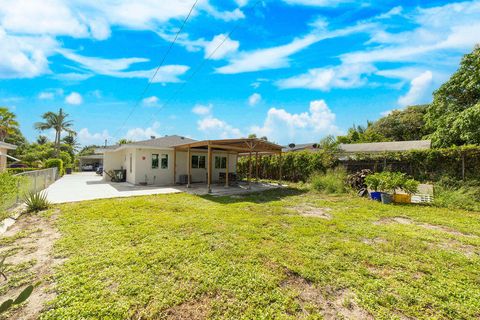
[[293, 70]]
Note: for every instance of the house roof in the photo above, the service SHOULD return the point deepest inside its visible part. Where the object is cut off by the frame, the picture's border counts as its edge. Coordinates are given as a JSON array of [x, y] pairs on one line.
[[8, 146], [92, 157], [163, 142], [242, 145], [299, 147], [376, 147]]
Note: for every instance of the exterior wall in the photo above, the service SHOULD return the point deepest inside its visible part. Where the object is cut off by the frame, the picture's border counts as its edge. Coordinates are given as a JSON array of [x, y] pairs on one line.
[[3, 160], [142, 166]]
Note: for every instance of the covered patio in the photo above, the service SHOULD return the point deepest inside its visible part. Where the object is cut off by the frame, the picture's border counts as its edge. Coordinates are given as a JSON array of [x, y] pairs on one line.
[[246, 147]]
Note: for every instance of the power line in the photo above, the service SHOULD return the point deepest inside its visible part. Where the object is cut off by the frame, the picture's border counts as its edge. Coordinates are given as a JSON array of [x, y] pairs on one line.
[[204, 61], [150, 81]]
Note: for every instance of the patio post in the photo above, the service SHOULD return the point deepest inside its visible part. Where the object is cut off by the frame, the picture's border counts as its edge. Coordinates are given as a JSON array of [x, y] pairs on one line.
[[256, 166], [189, 164], [209, 171], [226, 171], [280, 168], [174, 166], [249, 169]]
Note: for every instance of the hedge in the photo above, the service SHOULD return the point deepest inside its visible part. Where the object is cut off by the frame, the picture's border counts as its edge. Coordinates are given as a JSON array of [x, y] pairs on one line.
[[8, 191], [55, 163], [20, 170], [423, 165]]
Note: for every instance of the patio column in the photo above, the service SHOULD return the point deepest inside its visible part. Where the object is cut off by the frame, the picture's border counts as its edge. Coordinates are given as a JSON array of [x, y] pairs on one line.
[[209, 171], [174, 166], [256, 166], [249, 169], [189, 164], [227, 171], [280, 168]]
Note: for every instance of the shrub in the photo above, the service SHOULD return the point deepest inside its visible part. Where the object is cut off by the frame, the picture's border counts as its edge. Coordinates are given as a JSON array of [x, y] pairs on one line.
[[55, 163], [8, 190], [467, 198], [333, 181], [36, 201], [391, 181], [20, 170]]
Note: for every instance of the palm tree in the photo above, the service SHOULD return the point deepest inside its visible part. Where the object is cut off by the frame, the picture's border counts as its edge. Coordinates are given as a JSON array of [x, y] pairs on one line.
[[8, 123], [42, 140], [58, 122], [71, 140]]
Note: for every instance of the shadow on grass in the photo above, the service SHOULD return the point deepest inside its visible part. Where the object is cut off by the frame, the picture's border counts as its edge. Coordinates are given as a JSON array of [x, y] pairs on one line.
[[257, 197]]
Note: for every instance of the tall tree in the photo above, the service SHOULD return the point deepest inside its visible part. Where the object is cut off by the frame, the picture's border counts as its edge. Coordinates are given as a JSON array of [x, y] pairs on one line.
[[8, 123], [58, 122], [41, 140], [454, 115], [71, 141]]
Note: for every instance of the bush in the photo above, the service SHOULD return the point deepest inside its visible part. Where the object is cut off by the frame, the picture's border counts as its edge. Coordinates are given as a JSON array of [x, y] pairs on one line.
[[391, 181], [333, 181], [8, 190], [36, 201], [467, 198], [20, 170], [55, 163]]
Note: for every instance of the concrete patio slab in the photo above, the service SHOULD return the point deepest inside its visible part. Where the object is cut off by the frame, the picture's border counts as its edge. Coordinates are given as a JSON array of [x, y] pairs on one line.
[[90, 186]]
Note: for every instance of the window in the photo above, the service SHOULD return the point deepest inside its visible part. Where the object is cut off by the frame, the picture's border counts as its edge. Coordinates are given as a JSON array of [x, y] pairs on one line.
[[220, 162], [164, 161], [198, 162], [155, 161], [131, 160]]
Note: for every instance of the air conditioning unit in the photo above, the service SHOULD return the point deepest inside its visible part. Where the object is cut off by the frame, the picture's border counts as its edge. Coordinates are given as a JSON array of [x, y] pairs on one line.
[[183, 179]]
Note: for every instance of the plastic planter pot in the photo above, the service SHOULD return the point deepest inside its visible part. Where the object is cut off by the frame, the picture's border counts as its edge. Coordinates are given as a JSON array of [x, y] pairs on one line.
[[68, 170], [387, 198], [377, 196], [402, 198]]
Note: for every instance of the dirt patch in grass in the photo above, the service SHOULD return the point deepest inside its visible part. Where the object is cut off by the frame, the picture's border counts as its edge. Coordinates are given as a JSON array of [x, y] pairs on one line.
[[197, 309], [407, 221], [332, 304], [309, 211], [373, 241], [34, 237], [454, 245]]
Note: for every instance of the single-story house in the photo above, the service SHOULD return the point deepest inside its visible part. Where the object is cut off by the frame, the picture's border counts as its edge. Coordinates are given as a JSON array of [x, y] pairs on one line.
[[94, 161], [176, 159], [4, 147]]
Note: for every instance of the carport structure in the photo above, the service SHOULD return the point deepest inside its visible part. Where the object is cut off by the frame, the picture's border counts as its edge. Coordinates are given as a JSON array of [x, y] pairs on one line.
[[244, 146]]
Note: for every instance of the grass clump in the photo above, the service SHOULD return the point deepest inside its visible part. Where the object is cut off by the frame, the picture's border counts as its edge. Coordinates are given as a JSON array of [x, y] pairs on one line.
[[331, 182], [36, 201], [467, 197]]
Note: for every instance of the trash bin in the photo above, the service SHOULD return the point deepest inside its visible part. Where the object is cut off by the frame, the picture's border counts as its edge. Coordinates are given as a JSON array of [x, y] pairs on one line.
[[377, 196], [387, 198]]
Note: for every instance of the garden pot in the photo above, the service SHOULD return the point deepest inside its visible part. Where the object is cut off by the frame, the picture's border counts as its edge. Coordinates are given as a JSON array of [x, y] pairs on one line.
[[68, 170], [387, 198], [402, 198], [375, 195]]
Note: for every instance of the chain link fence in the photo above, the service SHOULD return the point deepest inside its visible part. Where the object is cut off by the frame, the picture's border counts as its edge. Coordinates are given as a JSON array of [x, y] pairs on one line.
[[32, 181]]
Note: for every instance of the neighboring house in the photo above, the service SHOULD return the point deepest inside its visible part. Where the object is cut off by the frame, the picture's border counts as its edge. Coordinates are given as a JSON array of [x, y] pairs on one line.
[[4, 147], [300, 147], [379, 147], [176, 159]]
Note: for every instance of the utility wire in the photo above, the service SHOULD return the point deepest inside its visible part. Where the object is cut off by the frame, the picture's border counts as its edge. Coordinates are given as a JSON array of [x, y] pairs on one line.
[[150, 81], [200, 66]]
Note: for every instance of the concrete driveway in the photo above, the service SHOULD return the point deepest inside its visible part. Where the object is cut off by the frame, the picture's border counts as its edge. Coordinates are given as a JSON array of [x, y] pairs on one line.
[[89, 186]]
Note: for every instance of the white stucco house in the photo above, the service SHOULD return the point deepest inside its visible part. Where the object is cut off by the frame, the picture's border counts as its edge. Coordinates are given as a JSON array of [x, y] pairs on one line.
[[176, 159], [4, 147]]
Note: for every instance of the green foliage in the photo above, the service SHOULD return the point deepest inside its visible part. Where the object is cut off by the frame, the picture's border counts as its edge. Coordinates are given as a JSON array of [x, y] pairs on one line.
[[36, 201], [8, 191], [20, 170], [22, 297], [391, 181], [55, 163], [58, 122], [331, 182], [454, 115], [8, 123], [464, 197]]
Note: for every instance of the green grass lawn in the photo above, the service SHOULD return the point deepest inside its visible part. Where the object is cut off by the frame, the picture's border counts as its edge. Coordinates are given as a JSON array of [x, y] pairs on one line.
[[260, 257]]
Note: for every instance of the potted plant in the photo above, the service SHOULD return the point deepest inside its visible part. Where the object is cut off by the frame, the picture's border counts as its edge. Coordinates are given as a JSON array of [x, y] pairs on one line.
[[410, 186], [68, 169], [373, 181]]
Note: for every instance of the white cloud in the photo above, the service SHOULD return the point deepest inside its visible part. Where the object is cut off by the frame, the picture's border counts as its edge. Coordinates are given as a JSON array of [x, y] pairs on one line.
[[117, 67], [316, 3], [73, 76], [150, 101], [85, 137], [214, 127], [137, 134], [343, 76], [419, 88], [285, 127], [202, 110], [254, 99], [74, 98], [46, 95], [227, 47], [279, 56]]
